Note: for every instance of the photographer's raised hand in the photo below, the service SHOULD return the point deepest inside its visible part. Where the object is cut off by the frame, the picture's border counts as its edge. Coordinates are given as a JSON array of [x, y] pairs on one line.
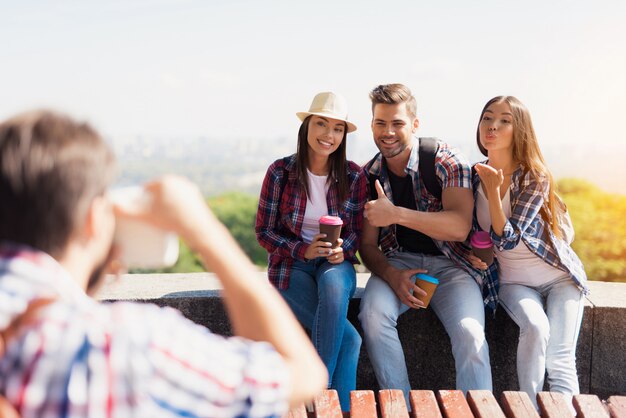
[[255, 308]]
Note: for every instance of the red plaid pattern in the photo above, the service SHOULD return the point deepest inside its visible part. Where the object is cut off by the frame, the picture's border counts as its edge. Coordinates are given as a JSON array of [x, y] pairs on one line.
[[281, 213]]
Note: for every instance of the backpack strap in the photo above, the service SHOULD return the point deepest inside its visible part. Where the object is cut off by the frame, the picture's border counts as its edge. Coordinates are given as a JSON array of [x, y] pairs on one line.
[[373, 195], [427, 150]]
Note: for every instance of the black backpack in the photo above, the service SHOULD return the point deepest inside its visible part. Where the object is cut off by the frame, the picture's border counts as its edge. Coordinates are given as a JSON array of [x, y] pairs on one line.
[[427, 150]]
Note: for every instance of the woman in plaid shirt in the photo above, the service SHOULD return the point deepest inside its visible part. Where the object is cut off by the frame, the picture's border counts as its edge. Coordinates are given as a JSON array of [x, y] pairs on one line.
[[316, 280], [542, 281]]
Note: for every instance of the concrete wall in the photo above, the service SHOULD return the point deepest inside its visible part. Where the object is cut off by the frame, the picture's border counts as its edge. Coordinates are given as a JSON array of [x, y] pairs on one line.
[[601, 352]]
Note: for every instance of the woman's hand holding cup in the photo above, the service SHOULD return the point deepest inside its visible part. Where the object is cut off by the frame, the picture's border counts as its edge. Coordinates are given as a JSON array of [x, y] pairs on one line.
[[336, 255], [318, 248], [482, 248], [476, 262]]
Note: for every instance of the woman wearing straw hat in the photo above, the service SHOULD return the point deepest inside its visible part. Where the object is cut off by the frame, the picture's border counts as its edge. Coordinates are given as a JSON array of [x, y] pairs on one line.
[[317, 278]]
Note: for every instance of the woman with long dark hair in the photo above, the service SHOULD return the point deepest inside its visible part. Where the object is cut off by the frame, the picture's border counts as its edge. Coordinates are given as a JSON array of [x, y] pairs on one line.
[[541, 279], [317, 278]]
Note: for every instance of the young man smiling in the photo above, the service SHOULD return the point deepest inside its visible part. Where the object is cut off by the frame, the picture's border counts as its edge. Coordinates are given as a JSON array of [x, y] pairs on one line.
[[408, 231]]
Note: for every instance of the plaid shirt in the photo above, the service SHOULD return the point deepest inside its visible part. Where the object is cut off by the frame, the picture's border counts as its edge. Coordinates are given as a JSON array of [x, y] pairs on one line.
[[451, 169], [527, 225], [281, 213], [80, 358]]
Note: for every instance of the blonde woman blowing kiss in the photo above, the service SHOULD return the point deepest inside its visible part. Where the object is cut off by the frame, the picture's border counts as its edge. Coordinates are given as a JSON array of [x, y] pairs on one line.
[[541, 280]]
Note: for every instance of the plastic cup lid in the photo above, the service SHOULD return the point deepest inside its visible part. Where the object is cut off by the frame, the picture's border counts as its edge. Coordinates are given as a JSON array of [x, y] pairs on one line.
[[331, 220], [427, 278], [481, 239]]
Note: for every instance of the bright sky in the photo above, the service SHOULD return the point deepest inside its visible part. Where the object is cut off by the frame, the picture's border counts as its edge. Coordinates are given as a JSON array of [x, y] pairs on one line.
[[231, 69]]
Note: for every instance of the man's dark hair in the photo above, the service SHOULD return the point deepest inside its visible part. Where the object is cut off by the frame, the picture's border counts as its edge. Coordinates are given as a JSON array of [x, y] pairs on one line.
[[394, 94], [51, 169]]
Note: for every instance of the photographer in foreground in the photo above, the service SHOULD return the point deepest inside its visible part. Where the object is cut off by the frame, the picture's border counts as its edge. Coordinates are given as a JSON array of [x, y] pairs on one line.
[[64, 354]]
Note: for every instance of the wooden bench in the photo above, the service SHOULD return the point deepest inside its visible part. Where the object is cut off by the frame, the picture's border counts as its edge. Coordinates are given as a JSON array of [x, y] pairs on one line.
[[452, 404]]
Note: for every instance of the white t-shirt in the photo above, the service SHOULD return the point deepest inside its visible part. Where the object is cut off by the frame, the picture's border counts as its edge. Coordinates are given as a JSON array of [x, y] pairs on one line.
[[316, 206], [519, 265]]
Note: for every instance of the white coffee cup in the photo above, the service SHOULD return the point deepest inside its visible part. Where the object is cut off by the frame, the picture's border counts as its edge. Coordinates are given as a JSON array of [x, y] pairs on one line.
[[141, 245]]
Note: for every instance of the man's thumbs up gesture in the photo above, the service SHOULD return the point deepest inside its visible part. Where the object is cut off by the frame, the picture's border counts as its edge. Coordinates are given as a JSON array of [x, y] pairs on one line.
[[380, 212]]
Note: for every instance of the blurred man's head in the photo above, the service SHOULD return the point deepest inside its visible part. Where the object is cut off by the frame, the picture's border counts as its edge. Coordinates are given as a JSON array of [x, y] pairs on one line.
[[54, 172]]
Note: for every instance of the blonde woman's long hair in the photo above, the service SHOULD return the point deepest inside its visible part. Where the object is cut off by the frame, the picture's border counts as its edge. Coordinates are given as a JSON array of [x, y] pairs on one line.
[[527, 154]]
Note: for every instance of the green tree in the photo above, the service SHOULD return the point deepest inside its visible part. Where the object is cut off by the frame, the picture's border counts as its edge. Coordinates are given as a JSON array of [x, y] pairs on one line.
[[600, 225], [598, 219], [237, 211]]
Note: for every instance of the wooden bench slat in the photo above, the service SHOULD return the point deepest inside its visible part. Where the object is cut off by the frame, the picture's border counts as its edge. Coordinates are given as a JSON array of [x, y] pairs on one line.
[[617, 406], [453, 404], [589, 406], [483, 404], [392, 404], [553, 405], [296, 412], [327, 405], [518, 405], [424, 404], [363, 404]]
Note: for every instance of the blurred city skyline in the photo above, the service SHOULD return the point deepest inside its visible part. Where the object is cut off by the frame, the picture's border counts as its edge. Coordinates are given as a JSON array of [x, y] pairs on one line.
[[239, 70]]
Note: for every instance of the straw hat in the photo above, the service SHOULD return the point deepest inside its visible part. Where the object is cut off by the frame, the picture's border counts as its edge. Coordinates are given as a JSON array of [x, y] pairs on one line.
[[329, 105]]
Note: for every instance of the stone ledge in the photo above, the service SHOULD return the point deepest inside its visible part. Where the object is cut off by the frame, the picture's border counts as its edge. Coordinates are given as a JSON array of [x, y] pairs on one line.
[[601, 348]]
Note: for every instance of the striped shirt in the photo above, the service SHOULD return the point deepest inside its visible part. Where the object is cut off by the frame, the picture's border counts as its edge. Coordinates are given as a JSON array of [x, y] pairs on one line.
[[81, 358], [280, 216]]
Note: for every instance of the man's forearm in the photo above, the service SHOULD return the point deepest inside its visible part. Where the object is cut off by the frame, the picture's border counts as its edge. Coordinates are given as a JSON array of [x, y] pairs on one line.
[[257, 311], [375, 260], [498, 218], [442, 226], [243, 291]]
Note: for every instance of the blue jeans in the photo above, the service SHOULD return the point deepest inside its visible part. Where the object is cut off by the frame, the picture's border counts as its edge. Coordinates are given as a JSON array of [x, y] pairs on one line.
[[458, 304], [318, 294], [549, 319]]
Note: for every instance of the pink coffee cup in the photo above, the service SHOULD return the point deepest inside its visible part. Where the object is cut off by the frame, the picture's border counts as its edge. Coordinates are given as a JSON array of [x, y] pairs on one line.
[[331, 226], [482, 246]]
